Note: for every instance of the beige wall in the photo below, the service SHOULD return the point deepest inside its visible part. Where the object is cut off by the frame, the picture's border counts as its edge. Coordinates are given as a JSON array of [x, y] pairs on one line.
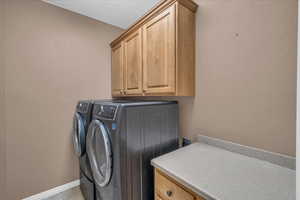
[[246, 74], [2, 135], [53, 59]]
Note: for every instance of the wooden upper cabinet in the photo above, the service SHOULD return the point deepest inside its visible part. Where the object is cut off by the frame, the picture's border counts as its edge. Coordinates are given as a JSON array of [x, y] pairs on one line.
[[133, 63], [159, 53], [156, 55], [117, 73]]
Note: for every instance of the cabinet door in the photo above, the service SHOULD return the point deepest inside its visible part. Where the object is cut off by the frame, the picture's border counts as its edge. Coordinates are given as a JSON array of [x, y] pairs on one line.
[[200, 198], [169, 190], [133, 63], [159, 53], [117, 74], [157, 197]]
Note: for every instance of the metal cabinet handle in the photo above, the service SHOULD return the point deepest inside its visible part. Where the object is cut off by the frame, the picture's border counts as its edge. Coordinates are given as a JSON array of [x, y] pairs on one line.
[[169, 193]]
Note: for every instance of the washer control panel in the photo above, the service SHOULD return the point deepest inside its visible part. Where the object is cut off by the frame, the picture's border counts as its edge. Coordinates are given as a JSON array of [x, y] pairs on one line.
[[83, 107]]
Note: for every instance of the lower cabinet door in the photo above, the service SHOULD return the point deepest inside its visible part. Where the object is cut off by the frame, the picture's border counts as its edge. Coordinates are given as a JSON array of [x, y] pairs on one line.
[[168, 190], [157, 197]]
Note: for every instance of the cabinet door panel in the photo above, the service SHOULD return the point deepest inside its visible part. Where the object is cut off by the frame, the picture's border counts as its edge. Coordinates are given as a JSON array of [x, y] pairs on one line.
[[159, 53], [200, 198], [169, 190], [157, 197], [117, 70], [133, 63]]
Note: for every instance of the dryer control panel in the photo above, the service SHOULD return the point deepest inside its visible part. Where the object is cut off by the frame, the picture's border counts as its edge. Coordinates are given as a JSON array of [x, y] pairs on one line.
[[106, 111]]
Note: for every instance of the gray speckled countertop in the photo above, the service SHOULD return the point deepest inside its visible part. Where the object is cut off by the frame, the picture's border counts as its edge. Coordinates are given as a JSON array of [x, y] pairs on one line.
[[218, 174]]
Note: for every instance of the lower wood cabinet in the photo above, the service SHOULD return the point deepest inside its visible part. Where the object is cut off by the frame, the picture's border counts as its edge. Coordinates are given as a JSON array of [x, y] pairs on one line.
[[168, 189], [157, 198]]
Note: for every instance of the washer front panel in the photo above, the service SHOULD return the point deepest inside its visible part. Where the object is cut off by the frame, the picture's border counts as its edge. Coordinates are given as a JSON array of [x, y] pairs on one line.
[[78, 135], [99, 152]]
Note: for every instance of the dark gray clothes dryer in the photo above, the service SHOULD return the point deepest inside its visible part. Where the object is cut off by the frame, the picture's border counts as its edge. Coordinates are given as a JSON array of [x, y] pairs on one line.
[[122, 139], [81, 121]]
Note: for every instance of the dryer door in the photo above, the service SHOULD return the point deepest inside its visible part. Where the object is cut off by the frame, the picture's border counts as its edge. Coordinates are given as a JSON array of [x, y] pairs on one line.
[[78, 135], [100, 153]]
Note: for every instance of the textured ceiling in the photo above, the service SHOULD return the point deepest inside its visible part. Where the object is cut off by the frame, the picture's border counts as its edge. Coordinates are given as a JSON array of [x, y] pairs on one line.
[[121, 13]]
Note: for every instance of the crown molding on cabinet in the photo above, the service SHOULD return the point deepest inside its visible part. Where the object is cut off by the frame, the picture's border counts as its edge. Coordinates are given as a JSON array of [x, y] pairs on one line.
[[191, 5]]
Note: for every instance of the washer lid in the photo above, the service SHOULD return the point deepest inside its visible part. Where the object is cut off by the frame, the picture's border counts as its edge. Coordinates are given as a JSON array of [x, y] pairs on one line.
[[78, 135], [100, 153]]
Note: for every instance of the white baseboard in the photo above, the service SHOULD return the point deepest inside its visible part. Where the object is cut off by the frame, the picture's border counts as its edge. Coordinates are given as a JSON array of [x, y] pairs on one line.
[[53, 191]]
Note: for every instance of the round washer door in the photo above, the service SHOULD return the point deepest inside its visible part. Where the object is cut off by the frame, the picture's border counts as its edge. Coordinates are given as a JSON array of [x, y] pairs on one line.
[[78, 135], [99, 152]]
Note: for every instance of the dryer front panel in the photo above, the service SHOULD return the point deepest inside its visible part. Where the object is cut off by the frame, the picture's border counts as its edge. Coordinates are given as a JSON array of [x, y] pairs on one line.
[[78, 134], [100, 153]]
